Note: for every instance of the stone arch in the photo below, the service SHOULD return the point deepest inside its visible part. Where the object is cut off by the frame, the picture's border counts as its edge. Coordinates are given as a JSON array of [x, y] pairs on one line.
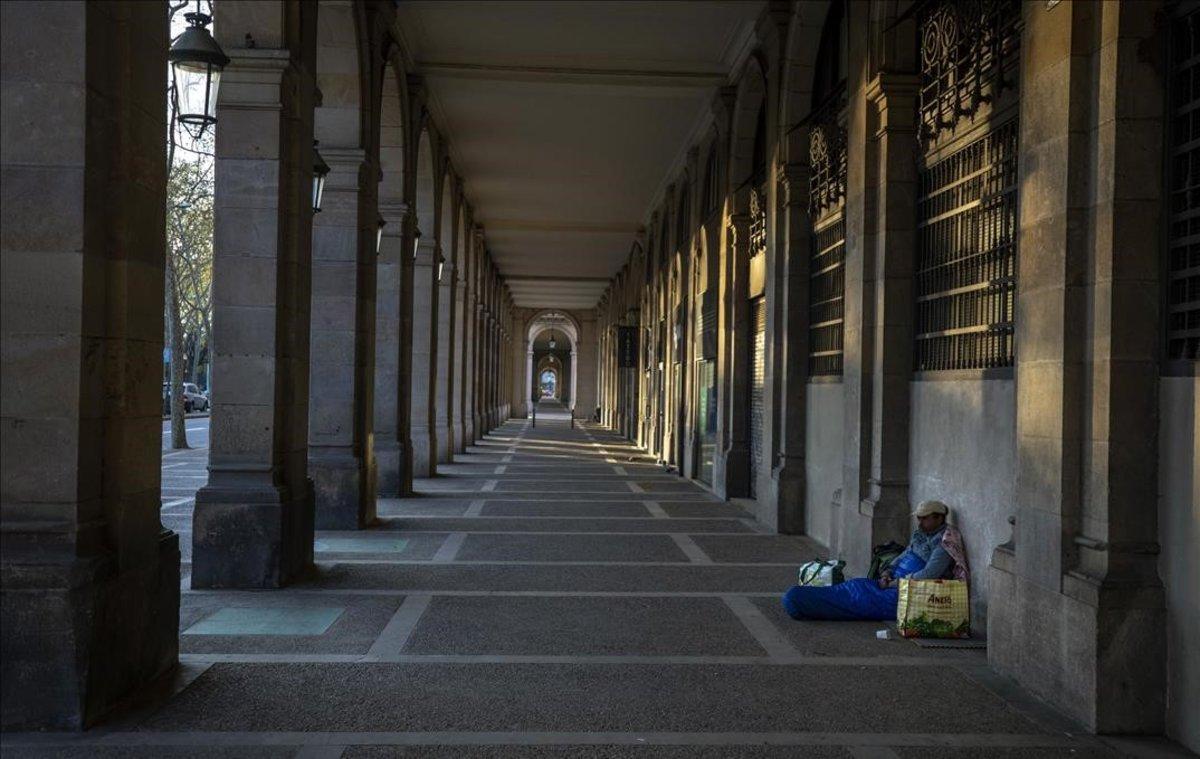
[[554, 366], [393, 134], [560, 321], [804, 41], [751, 97], [343, 68], [425, 188], [535, 324], [683, 212]]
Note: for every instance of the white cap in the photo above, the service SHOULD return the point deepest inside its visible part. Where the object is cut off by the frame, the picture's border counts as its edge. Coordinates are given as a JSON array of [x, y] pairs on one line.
[[931, 507]]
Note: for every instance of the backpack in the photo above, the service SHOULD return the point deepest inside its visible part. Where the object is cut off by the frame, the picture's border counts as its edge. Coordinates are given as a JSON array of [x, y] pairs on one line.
[[882, 557]]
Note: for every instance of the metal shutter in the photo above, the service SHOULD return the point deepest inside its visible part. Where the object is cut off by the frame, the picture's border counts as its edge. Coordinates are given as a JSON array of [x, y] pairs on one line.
[[758, 381]]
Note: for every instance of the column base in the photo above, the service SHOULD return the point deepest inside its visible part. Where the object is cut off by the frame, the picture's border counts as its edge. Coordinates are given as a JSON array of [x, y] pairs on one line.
[[731, 472], [424, 448], [445, 443], [389, 469], [343, 490], [789, 482], [79, 636], [1096, 650], [251, 537]]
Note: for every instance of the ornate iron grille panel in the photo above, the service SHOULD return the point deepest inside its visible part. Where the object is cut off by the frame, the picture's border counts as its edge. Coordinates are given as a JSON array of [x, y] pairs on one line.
[[827, 155], [1183, 246], [758, 220], [826, 273], [966, 256], [826, 291], [758, 381], [966, 45]]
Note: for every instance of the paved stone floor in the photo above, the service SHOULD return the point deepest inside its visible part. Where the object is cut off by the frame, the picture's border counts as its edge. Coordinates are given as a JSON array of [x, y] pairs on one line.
[[554, 593]]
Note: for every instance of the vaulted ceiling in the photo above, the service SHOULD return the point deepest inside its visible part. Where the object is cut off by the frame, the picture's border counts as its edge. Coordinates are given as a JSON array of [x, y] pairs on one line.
[[564, 118]]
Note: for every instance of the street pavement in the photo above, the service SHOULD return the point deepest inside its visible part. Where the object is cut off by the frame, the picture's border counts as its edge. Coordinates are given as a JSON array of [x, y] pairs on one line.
[[184, 471], [554, 593]]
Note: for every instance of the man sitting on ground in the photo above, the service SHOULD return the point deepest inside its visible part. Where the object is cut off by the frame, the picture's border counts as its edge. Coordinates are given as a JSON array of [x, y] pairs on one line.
[[935, 552], [926, 545]]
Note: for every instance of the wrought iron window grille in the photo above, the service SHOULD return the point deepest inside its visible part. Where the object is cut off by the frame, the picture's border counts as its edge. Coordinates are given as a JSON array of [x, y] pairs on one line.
[[758, 219], [968, 48], [826, 272], [965, 280], [827, 154], [1182, 264]]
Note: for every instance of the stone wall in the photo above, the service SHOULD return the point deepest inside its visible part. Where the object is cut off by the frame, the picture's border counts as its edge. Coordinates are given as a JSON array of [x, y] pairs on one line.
[[963, 454], [1179, 565], [823, 459]]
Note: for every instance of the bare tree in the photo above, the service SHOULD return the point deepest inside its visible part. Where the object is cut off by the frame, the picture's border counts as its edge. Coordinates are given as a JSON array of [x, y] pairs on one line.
[[189, 247]]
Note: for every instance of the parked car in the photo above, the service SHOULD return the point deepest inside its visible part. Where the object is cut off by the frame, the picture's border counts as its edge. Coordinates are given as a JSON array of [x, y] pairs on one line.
[[193, 395], [193, 399]]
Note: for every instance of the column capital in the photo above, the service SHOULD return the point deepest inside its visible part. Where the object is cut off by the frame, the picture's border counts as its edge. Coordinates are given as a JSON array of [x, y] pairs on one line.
[[427, 253], [895, 96], [251, 80], [393, 212], [793, 178]]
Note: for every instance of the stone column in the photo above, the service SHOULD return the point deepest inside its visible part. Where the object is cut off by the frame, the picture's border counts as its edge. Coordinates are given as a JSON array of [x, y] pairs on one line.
[[404, 411], [882, 512], [443, 390], [732, 475], [492, 351], [341, 415], [574, 375], [528, 376], [253, 522], [794, 235], [457, 424], [1076, 612], [89, 579], [424, 354], [464, 430], [477, 374], [389, 445]]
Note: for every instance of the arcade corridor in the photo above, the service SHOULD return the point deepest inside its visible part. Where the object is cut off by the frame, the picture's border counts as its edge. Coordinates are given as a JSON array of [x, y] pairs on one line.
[[553, 593], [784, 270]]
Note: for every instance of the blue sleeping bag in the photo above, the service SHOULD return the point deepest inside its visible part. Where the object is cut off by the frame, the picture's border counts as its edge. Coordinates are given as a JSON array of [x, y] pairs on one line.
[[858, 599]]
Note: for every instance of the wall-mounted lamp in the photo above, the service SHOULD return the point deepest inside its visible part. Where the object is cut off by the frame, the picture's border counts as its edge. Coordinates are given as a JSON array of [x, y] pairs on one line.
[[379, 234], [320, 171], [416, 243]]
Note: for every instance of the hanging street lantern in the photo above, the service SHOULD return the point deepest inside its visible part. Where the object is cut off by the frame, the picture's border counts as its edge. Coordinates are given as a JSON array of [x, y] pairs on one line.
[[416, 243], [552, 343], [196, 61], [320, 171], [379, 234]]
